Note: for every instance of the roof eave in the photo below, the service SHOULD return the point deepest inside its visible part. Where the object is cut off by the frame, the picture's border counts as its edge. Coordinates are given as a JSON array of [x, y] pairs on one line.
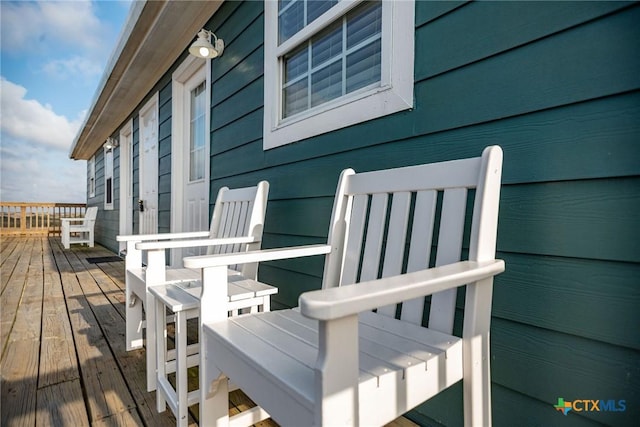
[[155, 35]]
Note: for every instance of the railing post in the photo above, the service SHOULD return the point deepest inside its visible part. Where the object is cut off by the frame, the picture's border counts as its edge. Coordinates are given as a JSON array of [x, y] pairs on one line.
[[23, 219]]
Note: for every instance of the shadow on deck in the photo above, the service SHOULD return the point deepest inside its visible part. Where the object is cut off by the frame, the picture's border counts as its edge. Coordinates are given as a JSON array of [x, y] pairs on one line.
[[64, 361]]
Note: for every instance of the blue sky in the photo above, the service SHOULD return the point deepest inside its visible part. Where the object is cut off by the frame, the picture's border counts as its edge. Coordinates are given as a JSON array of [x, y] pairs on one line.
[[52, 58]]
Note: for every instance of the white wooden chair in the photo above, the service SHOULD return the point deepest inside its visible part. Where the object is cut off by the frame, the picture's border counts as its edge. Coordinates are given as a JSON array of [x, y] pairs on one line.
[[334, 361], [236, 226], [79, 230]]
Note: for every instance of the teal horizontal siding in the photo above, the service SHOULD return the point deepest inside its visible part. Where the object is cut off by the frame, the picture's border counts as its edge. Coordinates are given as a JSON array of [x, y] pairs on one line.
[[574, 66], [238, 21], [477, 31], [546, 365], [598, 139], [244, 130], [583, 219], [247, 99], [555, 293]]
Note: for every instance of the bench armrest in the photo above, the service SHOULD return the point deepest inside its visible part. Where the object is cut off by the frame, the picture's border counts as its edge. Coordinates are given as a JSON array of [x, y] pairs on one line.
[[205, 261], [162, 236], [338, 302], [170, 244]]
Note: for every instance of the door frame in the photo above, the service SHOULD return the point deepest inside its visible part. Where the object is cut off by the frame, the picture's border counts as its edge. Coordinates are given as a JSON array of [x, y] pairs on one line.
[[126, 181], [190, 67]]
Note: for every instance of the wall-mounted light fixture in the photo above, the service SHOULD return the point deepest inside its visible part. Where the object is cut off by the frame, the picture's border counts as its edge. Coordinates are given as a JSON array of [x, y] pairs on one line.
[[110, 143], [202, 47]]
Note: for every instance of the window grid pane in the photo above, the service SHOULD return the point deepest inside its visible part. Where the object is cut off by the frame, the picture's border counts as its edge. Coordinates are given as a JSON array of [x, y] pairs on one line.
[[364, 67], [341, 59], [363, 23], [326, 84], [294, 15]]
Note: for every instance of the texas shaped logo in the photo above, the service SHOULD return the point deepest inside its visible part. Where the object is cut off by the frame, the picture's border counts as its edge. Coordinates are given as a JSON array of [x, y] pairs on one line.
[[563, 406]]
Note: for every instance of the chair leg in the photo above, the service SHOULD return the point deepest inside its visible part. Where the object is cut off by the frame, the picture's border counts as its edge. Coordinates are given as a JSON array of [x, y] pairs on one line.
[[133, 311], [214, 404], [477, 382], [161, 352], [181, 369], [476, 354], [150, 344], [213, 407]]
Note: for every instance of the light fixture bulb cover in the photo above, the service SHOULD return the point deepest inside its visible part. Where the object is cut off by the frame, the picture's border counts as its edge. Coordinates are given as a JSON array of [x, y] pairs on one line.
[[110, 143], [202, 47]]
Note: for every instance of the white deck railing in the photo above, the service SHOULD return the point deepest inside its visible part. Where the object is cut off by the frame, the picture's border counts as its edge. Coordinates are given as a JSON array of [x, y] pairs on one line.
[[23, 218]]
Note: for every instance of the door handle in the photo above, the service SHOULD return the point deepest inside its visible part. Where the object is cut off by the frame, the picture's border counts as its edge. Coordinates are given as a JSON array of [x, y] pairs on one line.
[[141, 205]]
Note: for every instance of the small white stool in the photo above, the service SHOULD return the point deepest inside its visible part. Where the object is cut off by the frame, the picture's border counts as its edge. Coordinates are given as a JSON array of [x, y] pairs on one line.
[[183, 300]]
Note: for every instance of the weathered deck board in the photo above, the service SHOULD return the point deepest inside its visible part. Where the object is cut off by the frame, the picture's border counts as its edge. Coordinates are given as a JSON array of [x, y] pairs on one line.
[[13, 289], [131, 363], [58, 361], [20, 360], [11, 251], [63, 359], [101, 376], [61, 405]]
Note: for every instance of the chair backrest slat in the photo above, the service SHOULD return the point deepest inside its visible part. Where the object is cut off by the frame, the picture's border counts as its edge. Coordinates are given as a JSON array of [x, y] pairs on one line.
[[388, 219], [443, 304], [355, 235], [243, 223], [424, 215], [374, 237], [396, 240]]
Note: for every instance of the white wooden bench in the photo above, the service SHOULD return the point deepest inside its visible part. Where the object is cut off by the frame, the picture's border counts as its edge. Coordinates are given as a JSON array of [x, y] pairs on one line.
[[236, 226], [356, 352], [79, 230]]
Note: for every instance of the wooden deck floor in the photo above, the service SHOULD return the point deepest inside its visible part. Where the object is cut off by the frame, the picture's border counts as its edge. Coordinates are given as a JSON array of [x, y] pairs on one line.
[[64, 361]]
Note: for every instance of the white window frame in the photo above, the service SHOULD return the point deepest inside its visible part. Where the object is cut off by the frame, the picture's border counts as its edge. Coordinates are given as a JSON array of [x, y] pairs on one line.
[[92, 176], [395, 92], [108, 174]]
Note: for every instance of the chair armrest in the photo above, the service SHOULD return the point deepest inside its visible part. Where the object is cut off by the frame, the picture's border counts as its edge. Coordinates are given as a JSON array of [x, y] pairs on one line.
[[204, 261], [169, 244], [338, 302], [162, 236], [67, 220]]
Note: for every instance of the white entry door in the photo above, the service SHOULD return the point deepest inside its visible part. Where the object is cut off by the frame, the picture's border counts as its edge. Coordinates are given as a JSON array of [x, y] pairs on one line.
[[190, 151], [148, 202]]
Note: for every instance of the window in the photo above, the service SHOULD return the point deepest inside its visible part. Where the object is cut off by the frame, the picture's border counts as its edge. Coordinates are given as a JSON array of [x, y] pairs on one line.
[[197, 134], [331, 64], [108, 178], [92, 176]]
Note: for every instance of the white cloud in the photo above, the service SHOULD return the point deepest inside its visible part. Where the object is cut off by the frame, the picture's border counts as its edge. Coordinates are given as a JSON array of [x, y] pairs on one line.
[[29, 174], [61, 68], [29, 26], [29, 120]]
